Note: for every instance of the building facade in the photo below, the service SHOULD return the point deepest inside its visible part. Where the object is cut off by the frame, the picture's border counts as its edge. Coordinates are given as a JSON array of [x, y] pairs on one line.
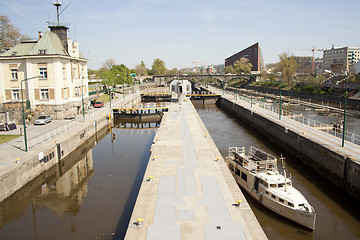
[[62, 83], [341, 59], [253, 53]]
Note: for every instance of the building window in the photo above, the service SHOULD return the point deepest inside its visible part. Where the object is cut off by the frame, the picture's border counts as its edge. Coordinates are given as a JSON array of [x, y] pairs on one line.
[[15, 95], [65, 93], [42, 51], [64, 72], [14, 75], [76, 91], [44, 94], [43, 73]]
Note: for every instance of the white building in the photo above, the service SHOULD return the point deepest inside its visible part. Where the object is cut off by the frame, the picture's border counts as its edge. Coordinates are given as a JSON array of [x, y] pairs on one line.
[[180, 87], [63, 83], [341, 59]]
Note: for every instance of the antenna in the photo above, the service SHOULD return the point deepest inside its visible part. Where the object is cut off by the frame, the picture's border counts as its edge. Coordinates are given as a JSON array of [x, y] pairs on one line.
[[57, 4]]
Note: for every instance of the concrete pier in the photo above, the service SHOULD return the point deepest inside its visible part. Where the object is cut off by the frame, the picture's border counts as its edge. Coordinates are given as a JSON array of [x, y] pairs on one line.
[[187, 190]]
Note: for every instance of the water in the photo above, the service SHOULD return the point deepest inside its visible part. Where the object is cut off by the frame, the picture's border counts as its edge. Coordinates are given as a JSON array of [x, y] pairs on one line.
[[337, 217], [90, 197]]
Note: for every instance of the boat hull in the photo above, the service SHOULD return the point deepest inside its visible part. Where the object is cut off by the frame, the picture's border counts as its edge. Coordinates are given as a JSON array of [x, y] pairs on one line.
[[304, 218]]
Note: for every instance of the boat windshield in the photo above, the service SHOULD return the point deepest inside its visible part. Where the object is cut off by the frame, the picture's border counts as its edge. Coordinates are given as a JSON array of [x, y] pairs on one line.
[[273, 185]]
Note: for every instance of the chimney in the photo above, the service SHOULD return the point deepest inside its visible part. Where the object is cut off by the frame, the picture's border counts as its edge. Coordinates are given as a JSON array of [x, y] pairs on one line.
[[40, 34]]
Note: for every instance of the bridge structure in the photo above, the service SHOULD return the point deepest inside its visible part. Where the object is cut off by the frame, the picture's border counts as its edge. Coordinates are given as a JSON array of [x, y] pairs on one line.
[[223, 79]]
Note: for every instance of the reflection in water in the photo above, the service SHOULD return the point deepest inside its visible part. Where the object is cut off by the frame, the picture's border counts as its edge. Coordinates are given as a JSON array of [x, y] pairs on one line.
[[337, 216], [147, 123], [90, 195]]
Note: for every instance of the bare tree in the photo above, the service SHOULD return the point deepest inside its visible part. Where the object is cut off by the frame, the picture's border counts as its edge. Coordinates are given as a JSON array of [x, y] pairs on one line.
[[9, 35], [140, 69], [109, 63]]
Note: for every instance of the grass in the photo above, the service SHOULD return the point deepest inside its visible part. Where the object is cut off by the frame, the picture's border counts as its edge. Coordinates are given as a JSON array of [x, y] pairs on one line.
[[104, 98], [6, 138]]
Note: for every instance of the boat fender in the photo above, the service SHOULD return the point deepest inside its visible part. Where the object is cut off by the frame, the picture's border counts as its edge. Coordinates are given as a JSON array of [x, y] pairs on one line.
[[261, 197]]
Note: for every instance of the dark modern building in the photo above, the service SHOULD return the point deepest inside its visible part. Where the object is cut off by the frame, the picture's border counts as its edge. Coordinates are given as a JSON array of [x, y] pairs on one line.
[[253, 53]]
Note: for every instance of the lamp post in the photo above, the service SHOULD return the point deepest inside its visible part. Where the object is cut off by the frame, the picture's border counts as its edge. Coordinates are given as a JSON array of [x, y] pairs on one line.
[[110, 97], [23, 109], [82, 98], [280, 101], [344, 122]]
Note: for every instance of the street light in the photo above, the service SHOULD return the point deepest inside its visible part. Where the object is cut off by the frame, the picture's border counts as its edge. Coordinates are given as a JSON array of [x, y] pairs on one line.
[[23, 109], [344, 123], [280, 101]]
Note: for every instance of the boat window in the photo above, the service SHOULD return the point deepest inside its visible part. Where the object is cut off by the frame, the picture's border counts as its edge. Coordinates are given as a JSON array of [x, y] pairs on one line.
[[301, 205], [244, 176], [289, 184], [266, 192], [273, 185], [237, 171], [290, 204], [281, 200], [231, 167], [281, 185], [273, 196]]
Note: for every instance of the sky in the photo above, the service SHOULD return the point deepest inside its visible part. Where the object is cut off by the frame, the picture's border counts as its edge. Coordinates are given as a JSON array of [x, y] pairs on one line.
[[189, 33]]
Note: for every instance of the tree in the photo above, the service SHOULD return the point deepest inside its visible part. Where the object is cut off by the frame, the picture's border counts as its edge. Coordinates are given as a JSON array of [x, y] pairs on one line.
[[158, 67], [9, 35], [287, 67], [121, 74], [230, 69], [141, 69], [109, 63], [106, 76], [173, 71], [242, 66]]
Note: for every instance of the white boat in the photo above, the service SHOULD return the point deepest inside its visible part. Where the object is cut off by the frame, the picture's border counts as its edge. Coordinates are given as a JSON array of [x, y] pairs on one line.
[[257, 173]]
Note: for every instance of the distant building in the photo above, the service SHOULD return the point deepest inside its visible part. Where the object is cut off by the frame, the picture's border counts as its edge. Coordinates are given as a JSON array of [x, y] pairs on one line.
[[253, 53], [56, 58], [341, 59]]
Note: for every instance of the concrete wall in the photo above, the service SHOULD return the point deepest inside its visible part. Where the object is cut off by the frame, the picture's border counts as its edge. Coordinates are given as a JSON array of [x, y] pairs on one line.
[[341, 170], [53, 151]]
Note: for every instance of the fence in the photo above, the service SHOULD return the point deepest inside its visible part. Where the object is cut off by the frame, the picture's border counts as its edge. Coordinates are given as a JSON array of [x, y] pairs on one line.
[[328, 128]]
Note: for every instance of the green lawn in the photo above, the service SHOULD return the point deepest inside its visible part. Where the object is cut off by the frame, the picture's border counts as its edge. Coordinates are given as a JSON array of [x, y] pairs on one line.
[[6, 138], [104, 98]]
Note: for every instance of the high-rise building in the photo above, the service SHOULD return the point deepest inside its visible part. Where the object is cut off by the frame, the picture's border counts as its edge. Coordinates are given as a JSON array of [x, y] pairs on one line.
[[253, 53]]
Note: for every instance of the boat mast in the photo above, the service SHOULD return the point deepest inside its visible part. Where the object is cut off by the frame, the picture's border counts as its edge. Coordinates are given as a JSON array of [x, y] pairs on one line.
[[282, 161]]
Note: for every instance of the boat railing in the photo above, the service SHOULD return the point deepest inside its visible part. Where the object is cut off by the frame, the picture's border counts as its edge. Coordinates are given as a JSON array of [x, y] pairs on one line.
[[237, 150]]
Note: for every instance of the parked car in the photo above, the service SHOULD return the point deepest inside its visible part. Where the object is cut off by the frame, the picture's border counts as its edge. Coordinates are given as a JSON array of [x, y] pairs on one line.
[[43, 119], [98, 104], [70, 116]]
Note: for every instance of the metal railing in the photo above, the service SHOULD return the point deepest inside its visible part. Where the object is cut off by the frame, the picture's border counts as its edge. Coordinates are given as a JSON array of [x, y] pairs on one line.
[[51, 134], [35, 141], [327, 128]]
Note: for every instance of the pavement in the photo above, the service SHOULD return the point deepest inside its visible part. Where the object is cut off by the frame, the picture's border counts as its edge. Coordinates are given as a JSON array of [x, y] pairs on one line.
[[187, 190]]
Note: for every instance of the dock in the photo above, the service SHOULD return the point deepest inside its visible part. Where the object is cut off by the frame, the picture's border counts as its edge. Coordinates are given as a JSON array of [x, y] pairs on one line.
[[187, 190]]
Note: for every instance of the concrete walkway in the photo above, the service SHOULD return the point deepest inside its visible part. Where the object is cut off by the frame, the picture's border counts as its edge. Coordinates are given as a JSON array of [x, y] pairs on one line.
[[314, 134], [187, 190]]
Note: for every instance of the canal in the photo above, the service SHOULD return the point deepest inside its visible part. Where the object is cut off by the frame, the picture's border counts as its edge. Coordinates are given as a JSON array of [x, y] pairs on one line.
[[90, 195], [337, 216]]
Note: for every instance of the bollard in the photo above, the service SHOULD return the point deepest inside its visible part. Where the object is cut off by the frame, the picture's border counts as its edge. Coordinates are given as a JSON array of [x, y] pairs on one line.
[[238, 203], [139, 221]]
